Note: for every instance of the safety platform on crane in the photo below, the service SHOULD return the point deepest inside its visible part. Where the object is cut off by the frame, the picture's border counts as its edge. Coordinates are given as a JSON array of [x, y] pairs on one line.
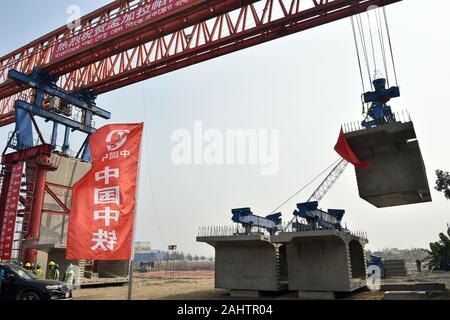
[[397, 174]]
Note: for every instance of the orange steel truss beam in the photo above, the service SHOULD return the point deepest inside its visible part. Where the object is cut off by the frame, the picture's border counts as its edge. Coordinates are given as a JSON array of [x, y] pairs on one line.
[[201, 31]]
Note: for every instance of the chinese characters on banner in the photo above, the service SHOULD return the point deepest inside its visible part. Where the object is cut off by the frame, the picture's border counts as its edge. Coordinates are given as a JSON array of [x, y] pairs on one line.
[[129, 20], [103, 201], [8, 225]]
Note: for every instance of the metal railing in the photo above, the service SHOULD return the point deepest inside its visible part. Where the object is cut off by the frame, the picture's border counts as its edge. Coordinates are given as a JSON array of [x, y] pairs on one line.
[[399, 117], [13, 144], [359, 234], [231, 230], [221, 231], [302, 226]]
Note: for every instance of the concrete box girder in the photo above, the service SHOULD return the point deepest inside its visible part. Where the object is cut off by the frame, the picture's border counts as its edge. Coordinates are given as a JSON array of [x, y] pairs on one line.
[[397, 174]]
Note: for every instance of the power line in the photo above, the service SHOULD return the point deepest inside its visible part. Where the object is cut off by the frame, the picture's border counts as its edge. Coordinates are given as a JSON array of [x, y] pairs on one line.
[[155, 211]]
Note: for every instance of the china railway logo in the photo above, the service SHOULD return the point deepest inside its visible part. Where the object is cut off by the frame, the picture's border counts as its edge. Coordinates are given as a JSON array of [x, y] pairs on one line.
[[116, 139]]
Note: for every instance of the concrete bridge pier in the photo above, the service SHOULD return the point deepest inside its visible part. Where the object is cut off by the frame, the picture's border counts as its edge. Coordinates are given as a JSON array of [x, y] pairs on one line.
[[324, 262]]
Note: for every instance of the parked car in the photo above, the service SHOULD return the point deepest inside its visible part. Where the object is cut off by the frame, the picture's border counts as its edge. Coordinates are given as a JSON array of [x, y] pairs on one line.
[[18, 283], [145, 267]]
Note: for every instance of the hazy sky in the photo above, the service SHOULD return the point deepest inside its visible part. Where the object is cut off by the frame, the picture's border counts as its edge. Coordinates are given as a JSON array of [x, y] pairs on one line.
[[305, 85]]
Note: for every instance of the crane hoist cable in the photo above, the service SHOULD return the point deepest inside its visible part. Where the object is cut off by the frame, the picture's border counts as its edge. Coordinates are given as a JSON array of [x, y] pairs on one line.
[[364, 48], [371, 41], [390, 45], [306, 186], [364, 51], [325, 186], [381, 39], [365, 43], [357, 53]]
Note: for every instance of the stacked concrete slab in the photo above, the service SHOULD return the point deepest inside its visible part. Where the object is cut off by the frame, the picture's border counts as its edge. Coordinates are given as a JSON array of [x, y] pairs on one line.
[[394, 268], [415, 286]]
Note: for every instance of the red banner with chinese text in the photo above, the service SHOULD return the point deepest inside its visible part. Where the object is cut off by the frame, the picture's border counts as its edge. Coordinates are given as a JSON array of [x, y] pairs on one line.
[[104, 200], [8, 225], [132, 19]]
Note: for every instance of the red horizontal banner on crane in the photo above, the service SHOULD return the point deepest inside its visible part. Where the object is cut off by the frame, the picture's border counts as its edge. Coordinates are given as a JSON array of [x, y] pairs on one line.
[[343, 149], [104, 200], [122, 23], [8, 225]]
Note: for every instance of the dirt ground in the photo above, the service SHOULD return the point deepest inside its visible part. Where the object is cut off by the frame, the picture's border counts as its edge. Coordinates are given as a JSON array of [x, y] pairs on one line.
[[193, 285], [199, 285]]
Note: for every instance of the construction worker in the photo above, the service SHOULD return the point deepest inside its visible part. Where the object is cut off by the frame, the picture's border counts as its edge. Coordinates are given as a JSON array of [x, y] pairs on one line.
[[27, 266], [419, 265], [38, 271], [69, 275], [54, 272], [51, 267], [20, 272]]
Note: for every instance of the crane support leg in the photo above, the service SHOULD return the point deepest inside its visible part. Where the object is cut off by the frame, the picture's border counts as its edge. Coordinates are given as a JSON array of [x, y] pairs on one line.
[[36, 213]]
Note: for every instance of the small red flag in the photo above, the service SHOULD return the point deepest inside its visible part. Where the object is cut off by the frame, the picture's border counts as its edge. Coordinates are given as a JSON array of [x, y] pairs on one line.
[[344, 150]]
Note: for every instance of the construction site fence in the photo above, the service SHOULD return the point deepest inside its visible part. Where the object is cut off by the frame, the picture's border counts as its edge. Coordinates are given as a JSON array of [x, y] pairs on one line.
[[177, 265]]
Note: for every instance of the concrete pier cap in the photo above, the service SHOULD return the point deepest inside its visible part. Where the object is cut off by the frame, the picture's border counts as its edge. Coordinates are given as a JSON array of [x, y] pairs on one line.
[[245, 262], [307, 261], [324, 260]]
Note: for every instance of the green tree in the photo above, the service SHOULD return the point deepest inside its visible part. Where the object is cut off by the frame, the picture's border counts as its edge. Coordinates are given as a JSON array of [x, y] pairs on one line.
[[438, 255], [443, 183], [189, 257]]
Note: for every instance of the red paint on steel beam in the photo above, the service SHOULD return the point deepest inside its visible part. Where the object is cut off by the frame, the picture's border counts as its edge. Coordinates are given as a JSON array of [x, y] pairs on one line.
[[27, 154], [56, 198], [123, 67], [4, 191], [267, 32], [198, 11], [55, 212], [9, 118], [51, 184], [36, 212]]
